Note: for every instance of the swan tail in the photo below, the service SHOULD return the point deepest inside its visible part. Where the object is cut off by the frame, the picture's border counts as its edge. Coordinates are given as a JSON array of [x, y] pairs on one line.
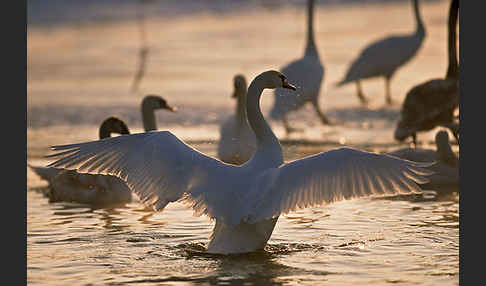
[[45, 173]]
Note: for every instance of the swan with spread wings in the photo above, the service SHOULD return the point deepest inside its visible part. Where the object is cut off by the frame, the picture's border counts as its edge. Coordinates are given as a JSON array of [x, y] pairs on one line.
[[246, 200]]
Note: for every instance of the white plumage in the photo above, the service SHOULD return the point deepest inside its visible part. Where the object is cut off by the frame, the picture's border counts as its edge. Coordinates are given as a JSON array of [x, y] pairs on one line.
[[237, 142], [307, 74], [384, 57], [245, 200]]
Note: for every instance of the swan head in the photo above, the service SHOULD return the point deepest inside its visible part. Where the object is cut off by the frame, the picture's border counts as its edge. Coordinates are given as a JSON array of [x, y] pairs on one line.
[[156, 102], [240, 86], [112, 124], [275, 79]]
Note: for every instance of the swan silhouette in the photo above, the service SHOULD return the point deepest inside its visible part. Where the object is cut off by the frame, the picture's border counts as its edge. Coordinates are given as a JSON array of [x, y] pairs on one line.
[[307, 74], [432, 103], [245, 200], [384, 57], [237, 142]]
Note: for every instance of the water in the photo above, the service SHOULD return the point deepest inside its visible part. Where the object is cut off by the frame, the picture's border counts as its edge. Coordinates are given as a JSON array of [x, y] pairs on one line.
[[77, 75]]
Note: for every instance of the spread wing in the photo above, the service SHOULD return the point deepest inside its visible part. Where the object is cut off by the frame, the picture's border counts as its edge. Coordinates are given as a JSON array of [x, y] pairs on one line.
[[156, 166], [339, 174]]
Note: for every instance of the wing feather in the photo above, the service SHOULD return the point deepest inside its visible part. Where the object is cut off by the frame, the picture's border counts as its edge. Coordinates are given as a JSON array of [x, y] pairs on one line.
[[156, 166], [339, 174]]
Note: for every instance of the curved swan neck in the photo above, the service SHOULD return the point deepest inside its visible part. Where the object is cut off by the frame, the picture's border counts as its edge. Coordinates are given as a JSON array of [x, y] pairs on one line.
[[104, 131], [311, 45], [263, 132], [418, 19], [148, 117], [453, 69]]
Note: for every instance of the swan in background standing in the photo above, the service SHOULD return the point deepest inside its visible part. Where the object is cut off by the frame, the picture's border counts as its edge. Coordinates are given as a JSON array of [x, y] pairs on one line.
[[307, 74], [446, 168], [384, 57], [66, 185], [432, 103], [245, 200], [237, 142]]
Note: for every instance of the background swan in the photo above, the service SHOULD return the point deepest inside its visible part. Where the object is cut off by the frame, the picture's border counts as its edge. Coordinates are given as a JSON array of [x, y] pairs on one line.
[[246, 200], [432, 103], [446, 168], [237, 142], [384, 57], [66, 185], [71, 186], [307, 74]]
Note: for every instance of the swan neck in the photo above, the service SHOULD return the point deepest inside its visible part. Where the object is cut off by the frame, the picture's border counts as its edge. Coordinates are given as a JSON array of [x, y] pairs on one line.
[[263, 132], [148, 117], [241, 115], [418, 19], [104, 131], [445, 153], [311, 45], [453, 69]]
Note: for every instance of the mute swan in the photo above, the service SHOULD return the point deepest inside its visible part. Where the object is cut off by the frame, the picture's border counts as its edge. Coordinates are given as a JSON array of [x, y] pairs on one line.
[[99, 189], [307, 74], [237, 142], [446, 168], [432, 103], [384, 57], [245, 200], [71, 186]]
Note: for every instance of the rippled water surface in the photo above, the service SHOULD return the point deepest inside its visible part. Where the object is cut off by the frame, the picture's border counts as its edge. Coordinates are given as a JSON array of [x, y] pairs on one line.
[[405, 239], [79, 74]]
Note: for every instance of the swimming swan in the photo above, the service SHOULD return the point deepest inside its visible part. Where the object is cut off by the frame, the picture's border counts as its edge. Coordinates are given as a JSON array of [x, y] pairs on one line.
[[237, 142], [306, 73], [71, 186], [384, 57], [432, 103], [446, 168], [245, 201]]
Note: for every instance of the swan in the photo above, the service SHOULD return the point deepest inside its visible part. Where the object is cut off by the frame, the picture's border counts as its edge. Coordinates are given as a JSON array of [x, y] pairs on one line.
[[446, 168], [384, 57], [244, 200], [71, 186], [99, 189], [237, 142], [306, 73], [432, 103]]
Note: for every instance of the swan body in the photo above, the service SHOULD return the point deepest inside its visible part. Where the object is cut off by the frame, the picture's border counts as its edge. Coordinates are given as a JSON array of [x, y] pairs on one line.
[[432, 103], [307, 74], [237, 142], [446, 168], [244, 200], [71, 186], [384, 57]]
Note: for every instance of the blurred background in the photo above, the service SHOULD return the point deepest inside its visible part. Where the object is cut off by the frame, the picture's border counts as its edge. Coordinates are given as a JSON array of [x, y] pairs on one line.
[[91, 59], [82, 59]]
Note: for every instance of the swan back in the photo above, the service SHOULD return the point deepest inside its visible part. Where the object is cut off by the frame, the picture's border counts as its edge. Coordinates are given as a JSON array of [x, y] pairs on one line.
[[306, 73], [384, 56]]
